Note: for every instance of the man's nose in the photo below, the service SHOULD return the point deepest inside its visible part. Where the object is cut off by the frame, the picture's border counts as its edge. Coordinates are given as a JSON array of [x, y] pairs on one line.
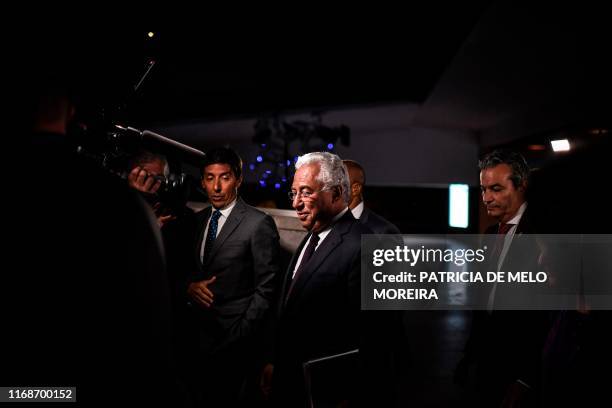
[[217, 186], [487, 197], [297, 202]]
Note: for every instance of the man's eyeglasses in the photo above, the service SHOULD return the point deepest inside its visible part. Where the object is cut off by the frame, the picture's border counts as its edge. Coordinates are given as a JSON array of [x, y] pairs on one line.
[[304, 194]]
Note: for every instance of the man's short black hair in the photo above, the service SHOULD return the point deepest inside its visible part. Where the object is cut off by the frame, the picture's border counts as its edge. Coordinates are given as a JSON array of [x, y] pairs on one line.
[[224, 155]]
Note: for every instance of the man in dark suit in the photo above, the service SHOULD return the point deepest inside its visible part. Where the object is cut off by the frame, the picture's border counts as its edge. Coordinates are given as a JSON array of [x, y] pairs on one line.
[[319, 303], [505, 345], [233, 284], [83, 249], [369, 218], [385, 327]]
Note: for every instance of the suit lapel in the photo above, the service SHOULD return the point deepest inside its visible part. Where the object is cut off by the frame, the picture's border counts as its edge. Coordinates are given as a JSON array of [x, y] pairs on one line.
[[202, 221], [524, 226], [364, 215], [326, 248], [297, 252], [289, 275], [230, 225]]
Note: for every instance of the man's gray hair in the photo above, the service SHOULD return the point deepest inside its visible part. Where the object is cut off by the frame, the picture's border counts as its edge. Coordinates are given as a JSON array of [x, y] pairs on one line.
[[516, 161], [143, 157], [332, 173]]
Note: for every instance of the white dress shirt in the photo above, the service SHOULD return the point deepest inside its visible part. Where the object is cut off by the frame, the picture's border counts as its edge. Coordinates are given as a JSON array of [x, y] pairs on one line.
[[322, 235], [357, 211]]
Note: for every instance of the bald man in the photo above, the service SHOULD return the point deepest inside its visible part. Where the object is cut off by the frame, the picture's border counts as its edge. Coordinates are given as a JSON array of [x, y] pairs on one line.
[[369, 218]]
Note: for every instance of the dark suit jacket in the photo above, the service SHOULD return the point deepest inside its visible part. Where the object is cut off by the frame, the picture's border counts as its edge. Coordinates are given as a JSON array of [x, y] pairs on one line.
[[506, 345], [244, 258], [86, 290], [320, 317], [383, 343], [376, 223]]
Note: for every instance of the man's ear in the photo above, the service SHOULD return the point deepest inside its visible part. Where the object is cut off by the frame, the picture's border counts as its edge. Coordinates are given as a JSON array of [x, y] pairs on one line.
[[336, 193], [356, 189], [239, 183]]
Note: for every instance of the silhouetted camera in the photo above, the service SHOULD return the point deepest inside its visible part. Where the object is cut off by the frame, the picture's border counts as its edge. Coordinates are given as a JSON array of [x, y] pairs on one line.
[[113, 149]]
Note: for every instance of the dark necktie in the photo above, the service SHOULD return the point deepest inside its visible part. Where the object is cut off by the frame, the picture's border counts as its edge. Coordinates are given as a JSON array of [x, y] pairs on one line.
[[312, 245], [211, 235], [502, 230], [500, 238]]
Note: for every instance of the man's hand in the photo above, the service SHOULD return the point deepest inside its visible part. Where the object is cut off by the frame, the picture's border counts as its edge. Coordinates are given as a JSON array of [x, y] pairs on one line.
[[265, 382], [162, 219], [200, 292], [141, 180]]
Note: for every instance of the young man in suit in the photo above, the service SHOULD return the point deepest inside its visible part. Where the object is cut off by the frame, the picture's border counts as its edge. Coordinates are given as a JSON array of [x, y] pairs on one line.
[[232, 285]]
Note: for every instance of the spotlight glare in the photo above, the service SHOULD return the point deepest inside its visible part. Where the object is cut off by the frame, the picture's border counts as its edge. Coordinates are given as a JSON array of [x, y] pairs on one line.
[[561, 145]]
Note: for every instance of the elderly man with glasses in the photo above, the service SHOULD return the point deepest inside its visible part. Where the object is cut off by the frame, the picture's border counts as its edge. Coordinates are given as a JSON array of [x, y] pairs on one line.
[[319, 306]]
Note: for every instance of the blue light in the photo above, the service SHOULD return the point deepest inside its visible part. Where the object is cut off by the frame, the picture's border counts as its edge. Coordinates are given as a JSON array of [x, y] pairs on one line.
[[269, 171], [262, 183], [288, 162], [259, 159], [252, 166], [330, 146], [284, 180], [263, 145], [265, 175], [277, 186]]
